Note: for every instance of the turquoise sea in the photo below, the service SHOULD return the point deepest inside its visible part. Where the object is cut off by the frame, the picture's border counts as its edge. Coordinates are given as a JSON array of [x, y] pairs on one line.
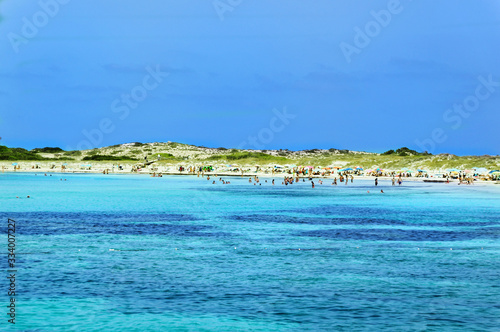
[[178, 253]]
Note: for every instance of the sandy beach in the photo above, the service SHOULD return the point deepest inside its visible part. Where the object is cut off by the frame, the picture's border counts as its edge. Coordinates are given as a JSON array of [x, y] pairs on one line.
[[156, 169]]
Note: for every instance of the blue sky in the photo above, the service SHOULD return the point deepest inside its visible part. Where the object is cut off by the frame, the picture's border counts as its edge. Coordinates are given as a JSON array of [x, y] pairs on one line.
[[364, 75]]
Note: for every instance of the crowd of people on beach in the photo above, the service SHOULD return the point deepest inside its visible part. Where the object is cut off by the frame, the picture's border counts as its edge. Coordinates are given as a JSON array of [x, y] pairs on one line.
[[344, 178], [288, 180], [464, 179]]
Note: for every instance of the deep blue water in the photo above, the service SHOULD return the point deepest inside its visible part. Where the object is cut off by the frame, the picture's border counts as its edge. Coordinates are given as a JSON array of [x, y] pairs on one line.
[[134, 253]]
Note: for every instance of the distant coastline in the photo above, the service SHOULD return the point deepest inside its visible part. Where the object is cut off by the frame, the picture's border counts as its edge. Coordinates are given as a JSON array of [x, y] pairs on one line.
[[178, 158]]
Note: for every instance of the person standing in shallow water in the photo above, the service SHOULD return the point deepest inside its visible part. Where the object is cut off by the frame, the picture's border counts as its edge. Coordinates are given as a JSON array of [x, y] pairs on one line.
[[376, 181]]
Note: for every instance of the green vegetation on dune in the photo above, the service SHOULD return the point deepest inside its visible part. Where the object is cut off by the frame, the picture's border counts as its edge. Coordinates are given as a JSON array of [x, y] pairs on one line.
[[403, 152], [18, 154], [173, 145], [98, 157], [462, 162], [167, 156], [48, 150], [74, 153], [240, 155], [254, 157], [397, 162]]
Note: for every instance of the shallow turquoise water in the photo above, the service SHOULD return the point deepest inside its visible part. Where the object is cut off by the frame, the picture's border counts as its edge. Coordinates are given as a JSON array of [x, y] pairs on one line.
[[134, 253]]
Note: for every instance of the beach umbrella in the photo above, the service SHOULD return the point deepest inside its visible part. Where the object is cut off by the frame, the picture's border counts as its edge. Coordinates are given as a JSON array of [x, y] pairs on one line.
[[497, 171], [453, 170], [14, 164], [348, 169], [480, 170], [422, 171], [278, 166], [359, 168]]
